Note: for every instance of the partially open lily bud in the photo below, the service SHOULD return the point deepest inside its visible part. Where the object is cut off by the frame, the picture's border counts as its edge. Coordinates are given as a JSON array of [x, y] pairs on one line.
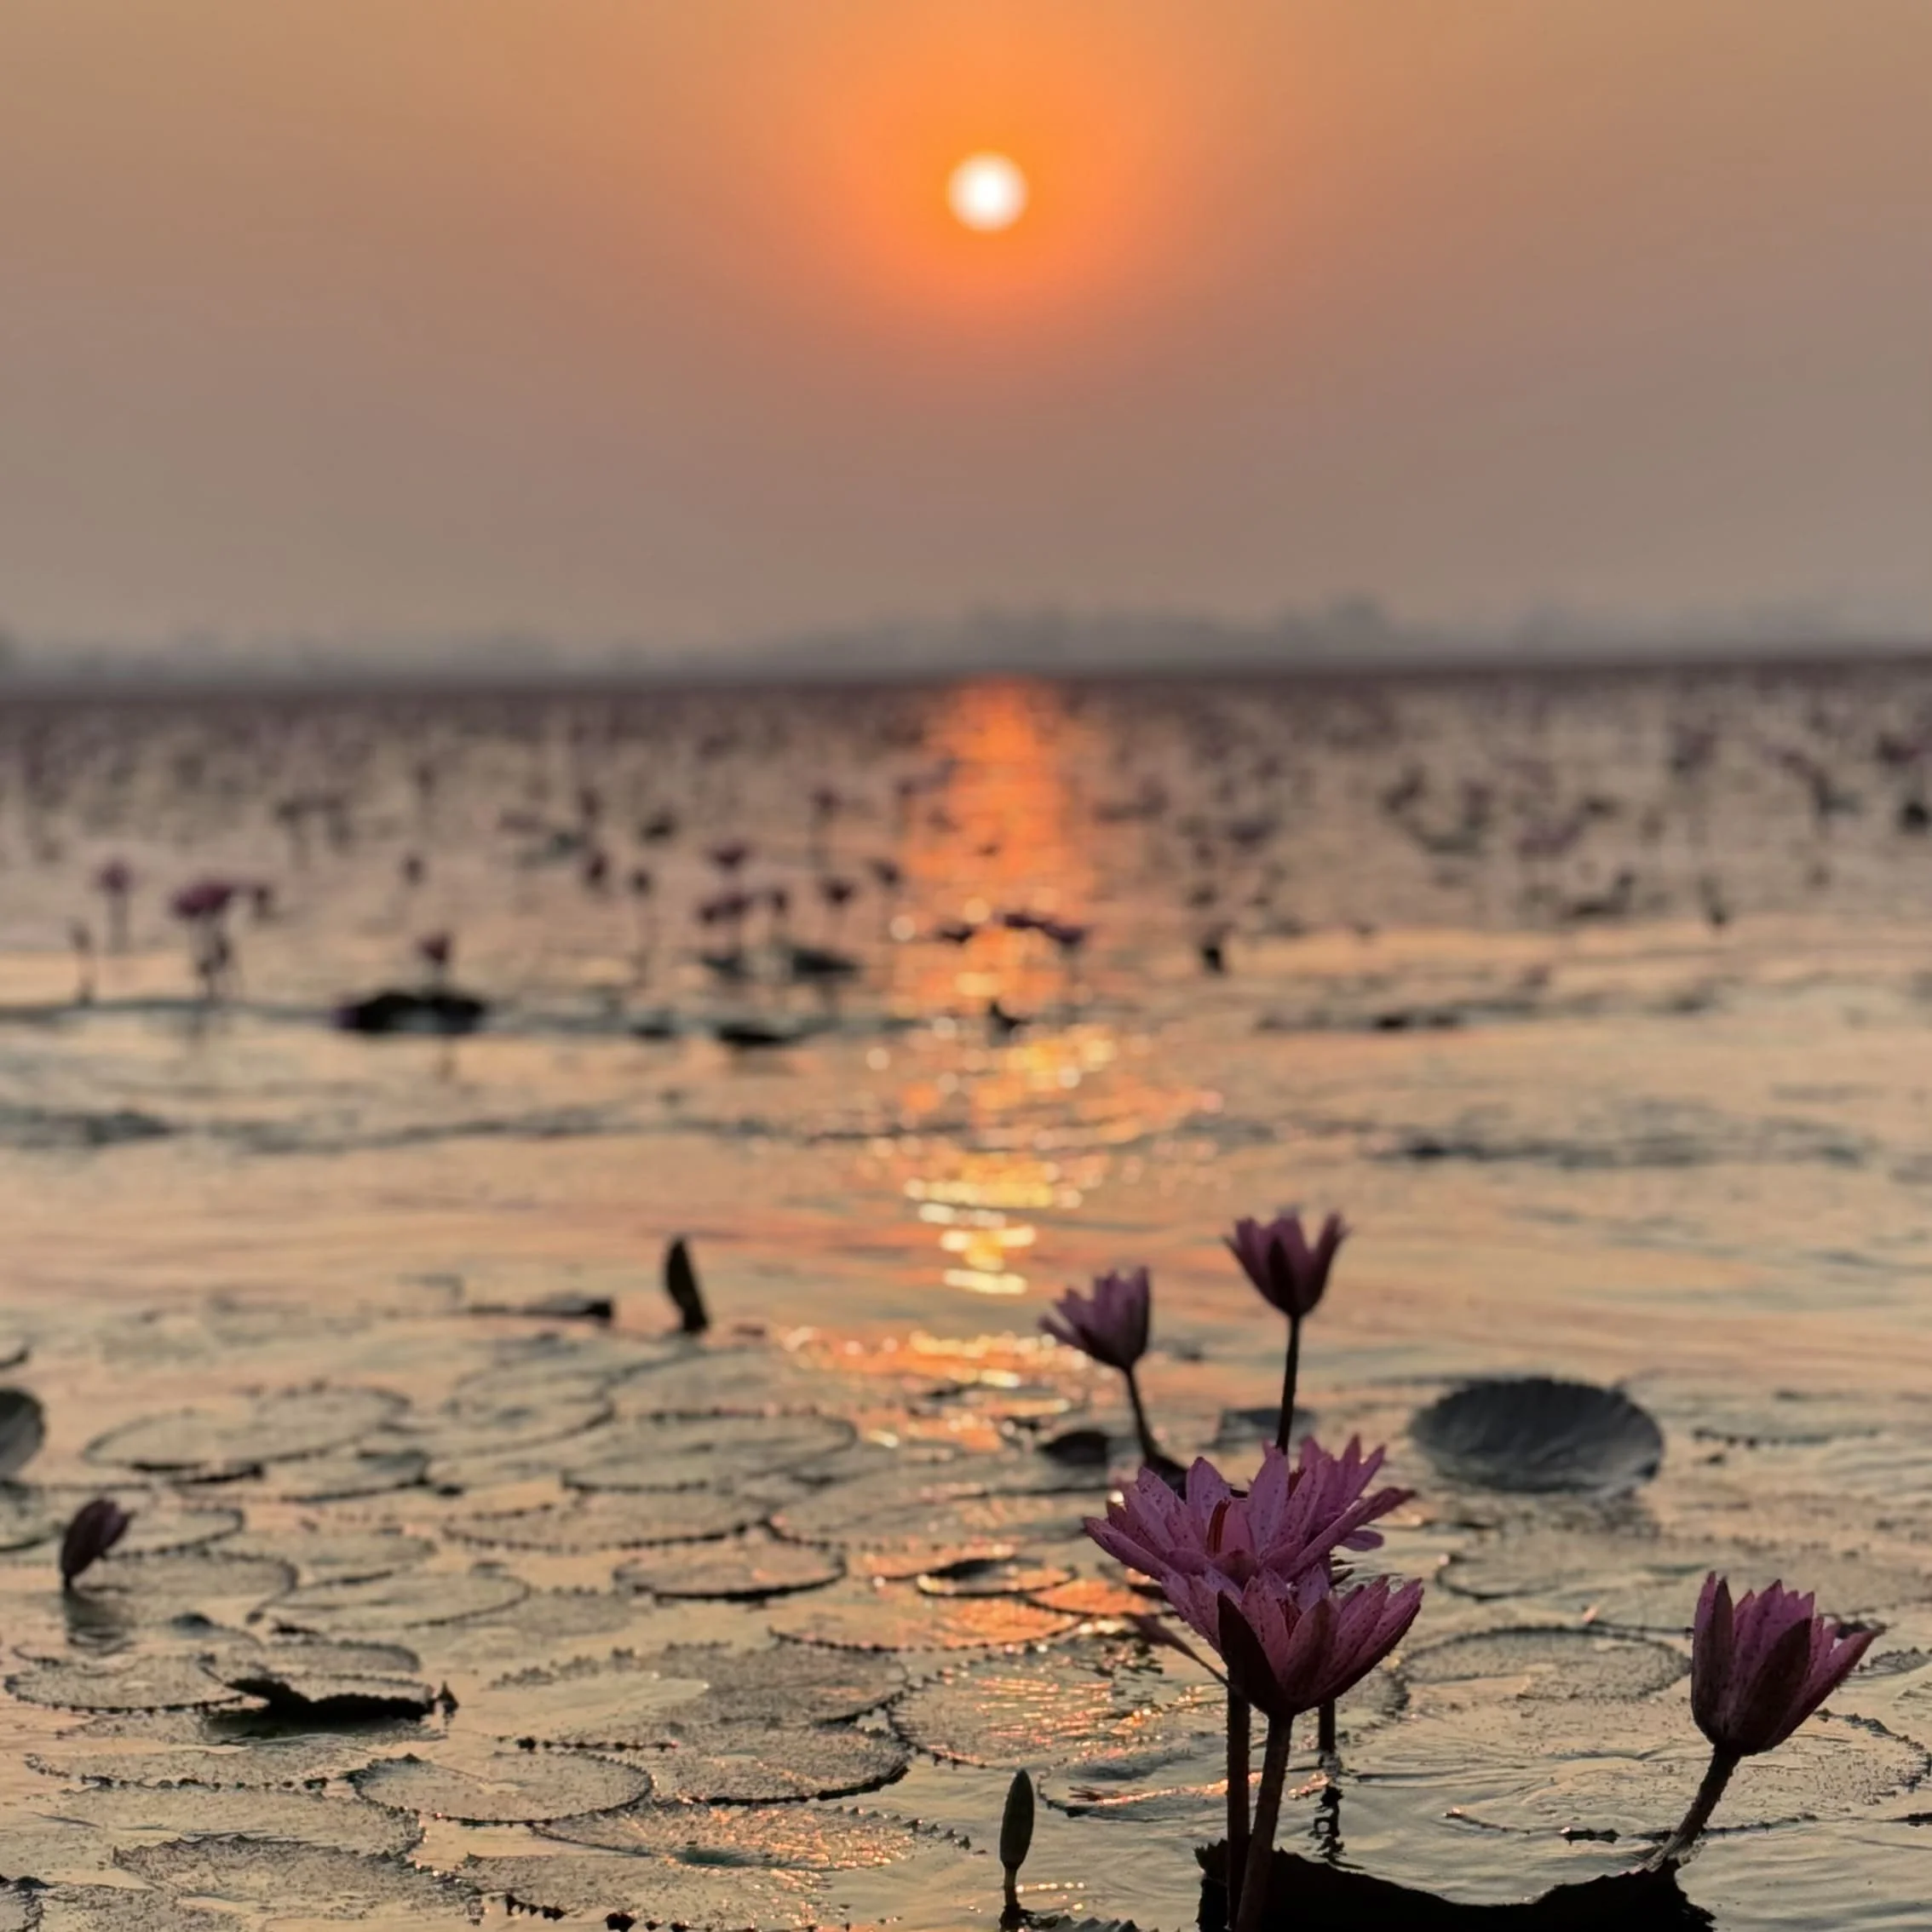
[[1016, 1835], [97, 1528]]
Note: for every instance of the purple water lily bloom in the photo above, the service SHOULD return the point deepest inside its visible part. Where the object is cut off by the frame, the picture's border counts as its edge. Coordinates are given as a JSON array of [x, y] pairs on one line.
[[1110, 1324], [1758, 1668], [1276, 1255], [96, 1528]]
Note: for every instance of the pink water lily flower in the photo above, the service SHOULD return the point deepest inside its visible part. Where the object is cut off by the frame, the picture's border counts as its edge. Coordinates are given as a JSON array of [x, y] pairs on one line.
[[1208, 1542], [1287, 1270], [1760, 1668], [1291, 1650], [1110, 1324]]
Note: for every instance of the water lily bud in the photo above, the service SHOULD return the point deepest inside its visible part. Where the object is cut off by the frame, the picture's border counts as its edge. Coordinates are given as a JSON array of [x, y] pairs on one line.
[[97, 1528], [1016, 1832], [680, 1284]]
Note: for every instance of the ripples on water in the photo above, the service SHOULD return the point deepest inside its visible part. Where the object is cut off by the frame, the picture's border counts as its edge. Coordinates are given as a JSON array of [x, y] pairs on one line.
[[1599, 1005]]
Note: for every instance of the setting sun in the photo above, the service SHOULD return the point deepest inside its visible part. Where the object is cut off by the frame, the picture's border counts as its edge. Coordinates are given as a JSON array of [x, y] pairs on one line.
[[987, 193]]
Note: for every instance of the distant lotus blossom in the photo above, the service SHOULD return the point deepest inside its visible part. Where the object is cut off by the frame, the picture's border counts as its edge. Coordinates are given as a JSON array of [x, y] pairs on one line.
[[1758, 1670], [96, 1528], [1110, 1324], [1278, 1258], [115, 878], [435, 951]]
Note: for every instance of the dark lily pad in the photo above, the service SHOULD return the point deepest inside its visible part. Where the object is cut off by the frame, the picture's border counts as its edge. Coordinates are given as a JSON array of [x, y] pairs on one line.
[[1532, 1434], [515, 1788], [237, 1438], [23, 1429], [753, 1566], [318, 1697]]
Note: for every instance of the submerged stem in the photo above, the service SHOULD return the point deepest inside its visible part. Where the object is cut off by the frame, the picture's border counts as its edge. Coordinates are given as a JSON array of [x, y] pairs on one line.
[[1267, 1814], [1327, 1749], [1677, 1848], [1150, 1450], [1239, 1728], [1288, 1378]]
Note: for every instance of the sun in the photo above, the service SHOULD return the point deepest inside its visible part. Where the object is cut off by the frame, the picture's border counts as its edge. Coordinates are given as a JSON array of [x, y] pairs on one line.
[[987, 193]]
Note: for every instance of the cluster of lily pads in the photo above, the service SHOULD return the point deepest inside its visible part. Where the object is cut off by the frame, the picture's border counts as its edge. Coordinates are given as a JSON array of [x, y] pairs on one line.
[[1263, 1578]]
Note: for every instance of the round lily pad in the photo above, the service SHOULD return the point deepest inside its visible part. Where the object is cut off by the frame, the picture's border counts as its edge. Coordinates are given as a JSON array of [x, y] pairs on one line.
[[798, 1837], [153, 1589], [901, 1618], [1535, 1435], [515, 1788], [708, 1763], [222, 1751], [605, 1889], [155, 1683], [374, 1468], [271, 1876], [612, 1521], [325, 1697], [681, 1451], [298, 1817], [1089, 1706], [1545, 1664], [415, 1599], [236, 1438], [339, 1556], [1006, 1576], [745, 1567]]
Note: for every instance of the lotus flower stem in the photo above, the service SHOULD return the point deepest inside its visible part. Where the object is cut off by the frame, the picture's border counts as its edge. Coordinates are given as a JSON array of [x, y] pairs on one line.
[[1239, 1726], [1326, 1747], [1150, 1450], [1289, 1376], [1678, 1847], [1267, 1814]]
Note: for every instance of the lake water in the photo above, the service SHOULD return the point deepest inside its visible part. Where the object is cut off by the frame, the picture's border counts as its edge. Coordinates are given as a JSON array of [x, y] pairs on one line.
[[1601, 1006]]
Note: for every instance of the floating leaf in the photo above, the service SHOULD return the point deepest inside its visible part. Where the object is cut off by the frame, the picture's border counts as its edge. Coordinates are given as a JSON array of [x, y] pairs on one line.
[[153, 1683], [654, 1892], [684, 1451], [755, 1565], [339, 1555], [154, 1589], [237, 1438], [901, 1618], [222, 1751], [519, 1788], [417, 1599], [611, 1522], [23, 1429], [798, 1837], [299, 1817], [328, 1885], [749, 1763], [1530, 1433], [1561, 1663]]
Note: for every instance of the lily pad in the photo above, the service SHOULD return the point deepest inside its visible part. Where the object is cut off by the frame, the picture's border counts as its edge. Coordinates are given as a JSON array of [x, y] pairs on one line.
[[234, 1439], [613, 1521], [686, 1452], [514, 1788], [319, 1696], [297, 1817], [1534, 1435], [328, 1885], [153, 1683], [793, 1837], [374, 1468], [707, 1763], [655, 1892], [23, 1429], [753, 1566], [222, 1751], [1551, 1663], [414, 1599], [1090, 1704], [153, 1589], [341, 1555], [901, 1618]]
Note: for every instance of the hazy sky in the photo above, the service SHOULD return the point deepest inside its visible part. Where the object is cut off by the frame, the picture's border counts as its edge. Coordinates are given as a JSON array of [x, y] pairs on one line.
[[646, 317]]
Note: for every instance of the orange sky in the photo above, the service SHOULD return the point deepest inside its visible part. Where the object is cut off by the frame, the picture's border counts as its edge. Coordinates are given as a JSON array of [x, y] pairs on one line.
[[647, 318]]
